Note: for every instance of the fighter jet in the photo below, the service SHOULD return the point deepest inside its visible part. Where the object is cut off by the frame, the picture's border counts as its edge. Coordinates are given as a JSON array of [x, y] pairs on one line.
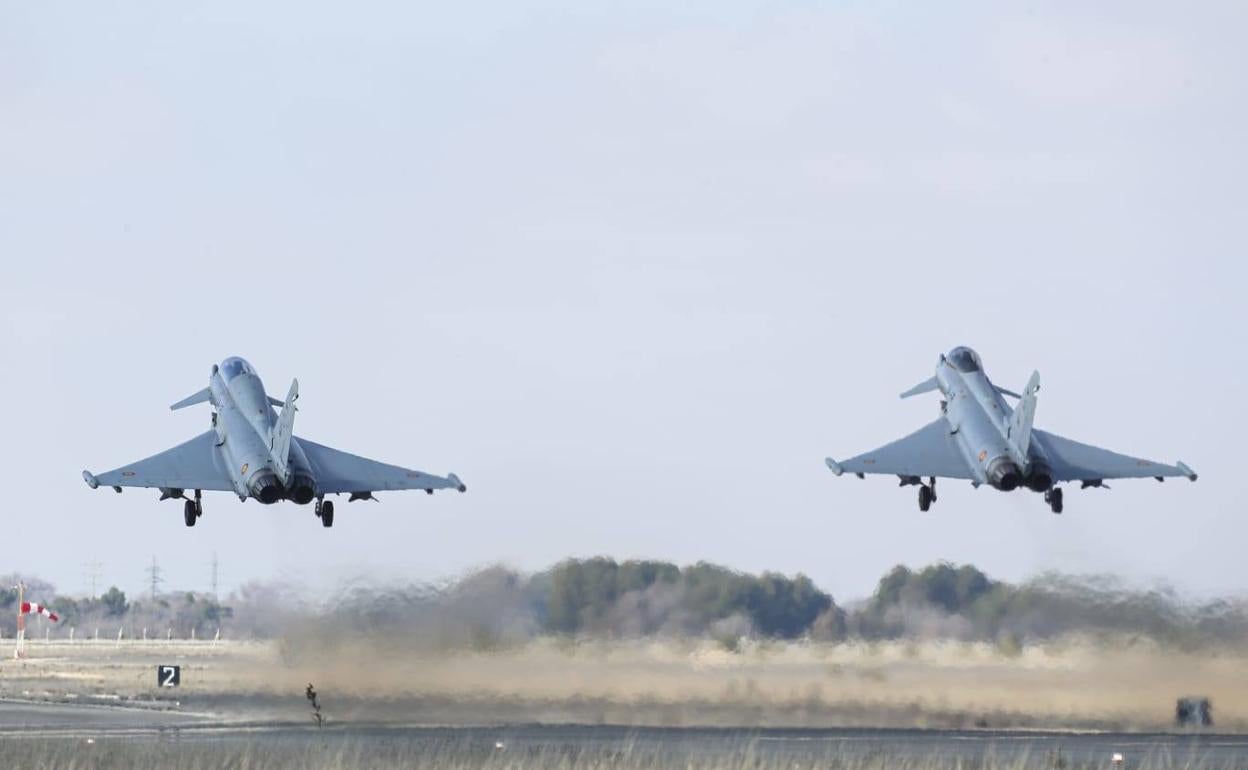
[[980, 438], [252, 451]]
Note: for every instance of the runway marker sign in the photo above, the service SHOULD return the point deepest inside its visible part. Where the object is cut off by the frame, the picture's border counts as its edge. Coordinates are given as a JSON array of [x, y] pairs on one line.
[[168, 676]]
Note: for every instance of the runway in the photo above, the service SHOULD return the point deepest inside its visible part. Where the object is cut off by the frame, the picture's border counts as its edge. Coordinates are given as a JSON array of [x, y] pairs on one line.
[[30, 717], [674, 747]]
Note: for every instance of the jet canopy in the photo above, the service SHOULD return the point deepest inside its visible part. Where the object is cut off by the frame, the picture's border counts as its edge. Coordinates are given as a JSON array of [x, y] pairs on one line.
[[964, 360], [234, 366]]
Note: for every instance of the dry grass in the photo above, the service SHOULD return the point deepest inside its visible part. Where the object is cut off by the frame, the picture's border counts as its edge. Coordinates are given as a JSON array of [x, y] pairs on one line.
[[667, 683]]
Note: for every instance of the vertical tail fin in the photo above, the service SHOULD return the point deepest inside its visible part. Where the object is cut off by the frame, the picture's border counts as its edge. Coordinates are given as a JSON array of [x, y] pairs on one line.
[[1025, 415], [279, 443]]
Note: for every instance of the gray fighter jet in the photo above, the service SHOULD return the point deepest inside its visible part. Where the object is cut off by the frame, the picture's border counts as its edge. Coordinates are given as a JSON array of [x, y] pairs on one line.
[[980, 438], [252, 451]]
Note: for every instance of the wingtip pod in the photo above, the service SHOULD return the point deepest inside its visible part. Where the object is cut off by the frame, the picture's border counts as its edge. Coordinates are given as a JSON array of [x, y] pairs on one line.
[[91, 480], [459, 485], [834, 466], [1186, 470]]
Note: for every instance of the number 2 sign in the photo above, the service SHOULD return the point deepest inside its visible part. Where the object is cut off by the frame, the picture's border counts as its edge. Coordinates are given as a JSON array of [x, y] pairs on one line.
[[168, 676]]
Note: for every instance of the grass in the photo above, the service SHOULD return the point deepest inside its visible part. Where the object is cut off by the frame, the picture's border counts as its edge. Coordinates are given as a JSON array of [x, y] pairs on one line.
[[337, 752]]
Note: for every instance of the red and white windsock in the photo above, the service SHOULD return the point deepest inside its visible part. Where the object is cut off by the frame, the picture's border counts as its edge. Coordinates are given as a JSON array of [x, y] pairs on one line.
[[34, 608]]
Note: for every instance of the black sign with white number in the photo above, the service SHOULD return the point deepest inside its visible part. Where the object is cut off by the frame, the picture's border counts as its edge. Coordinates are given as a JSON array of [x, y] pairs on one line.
[[168, 676]]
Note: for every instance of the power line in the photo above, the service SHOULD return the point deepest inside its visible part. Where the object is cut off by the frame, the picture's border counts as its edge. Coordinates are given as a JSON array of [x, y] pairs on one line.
[[153, 573], [94, 571]]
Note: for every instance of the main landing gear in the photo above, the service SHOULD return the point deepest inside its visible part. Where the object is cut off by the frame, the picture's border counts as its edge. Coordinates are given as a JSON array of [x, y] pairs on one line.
[[1054, 498], [325, 511], [927, 493], [193, 509]]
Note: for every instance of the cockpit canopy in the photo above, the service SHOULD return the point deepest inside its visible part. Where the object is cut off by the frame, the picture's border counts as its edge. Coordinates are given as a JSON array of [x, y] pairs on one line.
[[234, 366], [964, 360]]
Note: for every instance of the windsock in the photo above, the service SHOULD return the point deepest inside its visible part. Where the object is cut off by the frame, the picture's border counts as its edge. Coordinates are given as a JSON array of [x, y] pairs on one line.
[[34, 608]]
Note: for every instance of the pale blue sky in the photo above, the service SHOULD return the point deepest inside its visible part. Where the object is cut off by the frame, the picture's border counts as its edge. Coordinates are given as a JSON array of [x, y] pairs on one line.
[[630, 269]]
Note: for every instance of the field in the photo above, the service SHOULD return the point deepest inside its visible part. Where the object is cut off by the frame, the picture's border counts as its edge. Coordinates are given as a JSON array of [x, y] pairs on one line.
[[672, 683], [450, 750]]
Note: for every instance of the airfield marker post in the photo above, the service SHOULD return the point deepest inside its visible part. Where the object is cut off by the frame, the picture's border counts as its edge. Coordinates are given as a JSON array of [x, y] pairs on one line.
[[20, 650]]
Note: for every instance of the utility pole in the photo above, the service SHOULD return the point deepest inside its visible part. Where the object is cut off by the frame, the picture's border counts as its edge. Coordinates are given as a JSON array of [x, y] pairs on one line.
[[153, 573], [214, 576], [94, 570]]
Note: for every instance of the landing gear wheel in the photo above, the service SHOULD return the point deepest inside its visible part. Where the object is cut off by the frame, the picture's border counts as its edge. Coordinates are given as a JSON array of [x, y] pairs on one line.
[[189, 513], [1055, 500], [327, 513], [925, 498]]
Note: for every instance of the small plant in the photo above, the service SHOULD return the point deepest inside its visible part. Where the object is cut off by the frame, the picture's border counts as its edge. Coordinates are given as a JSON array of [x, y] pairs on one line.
[[316, 706]]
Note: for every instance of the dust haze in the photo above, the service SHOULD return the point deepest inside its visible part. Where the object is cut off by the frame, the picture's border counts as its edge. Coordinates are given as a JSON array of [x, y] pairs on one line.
[[652, 643]]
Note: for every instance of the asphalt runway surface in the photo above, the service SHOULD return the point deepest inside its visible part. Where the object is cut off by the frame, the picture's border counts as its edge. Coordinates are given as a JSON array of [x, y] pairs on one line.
[[20, 719], [17, 717]]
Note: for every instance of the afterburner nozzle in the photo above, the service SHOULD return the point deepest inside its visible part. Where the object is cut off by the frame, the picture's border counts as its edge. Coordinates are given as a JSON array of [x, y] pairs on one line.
[[302, 489], [267, 489], [1004, 474]]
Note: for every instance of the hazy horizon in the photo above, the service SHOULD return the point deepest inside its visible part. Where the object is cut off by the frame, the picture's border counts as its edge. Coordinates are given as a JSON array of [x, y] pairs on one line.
[[631, 271]]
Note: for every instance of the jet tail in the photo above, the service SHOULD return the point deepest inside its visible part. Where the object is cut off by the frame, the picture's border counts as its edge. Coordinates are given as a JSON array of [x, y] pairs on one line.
[[925, 386], [198, 397], [1025, 415], [279, 444]]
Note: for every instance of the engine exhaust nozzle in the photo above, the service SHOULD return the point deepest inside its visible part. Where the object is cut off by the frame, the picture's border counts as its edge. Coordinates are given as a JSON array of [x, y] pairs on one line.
[[302, 490], [267, 489], [1040, 477], [1004, 474]]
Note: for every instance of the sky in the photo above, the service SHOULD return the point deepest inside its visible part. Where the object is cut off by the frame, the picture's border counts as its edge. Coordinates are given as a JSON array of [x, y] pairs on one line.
[[632, 270]]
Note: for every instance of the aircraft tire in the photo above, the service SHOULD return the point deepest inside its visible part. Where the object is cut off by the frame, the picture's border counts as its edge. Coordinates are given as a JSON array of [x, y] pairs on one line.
[[1055, 500], [925, 498], [327, 514], [189, 514]]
